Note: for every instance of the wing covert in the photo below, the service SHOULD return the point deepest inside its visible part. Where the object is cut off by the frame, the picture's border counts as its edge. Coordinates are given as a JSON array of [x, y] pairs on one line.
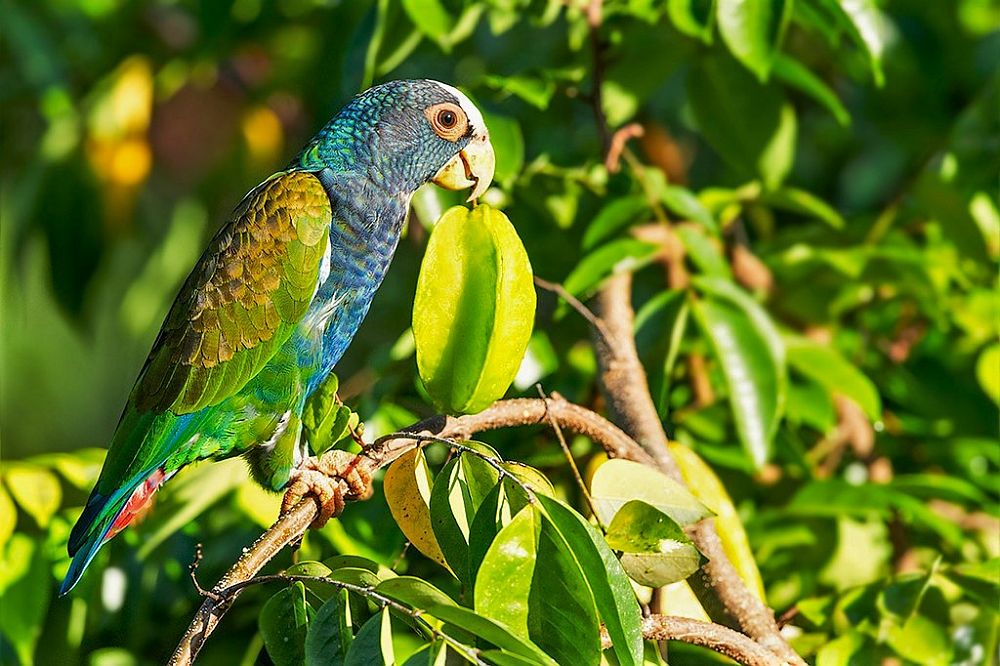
[[243, 300]]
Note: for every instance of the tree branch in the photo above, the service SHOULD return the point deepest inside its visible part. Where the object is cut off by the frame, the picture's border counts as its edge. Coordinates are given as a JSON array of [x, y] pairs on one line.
[[715, 637], [291, 526], [623, 383]]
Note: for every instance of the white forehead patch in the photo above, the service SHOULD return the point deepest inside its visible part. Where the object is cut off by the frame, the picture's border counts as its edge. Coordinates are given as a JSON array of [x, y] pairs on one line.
[[471, 112]]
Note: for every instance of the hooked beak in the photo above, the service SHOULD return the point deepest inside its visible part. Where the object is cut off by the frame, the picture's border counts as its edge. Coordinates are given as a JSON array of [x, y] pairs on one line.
[[472, 167]]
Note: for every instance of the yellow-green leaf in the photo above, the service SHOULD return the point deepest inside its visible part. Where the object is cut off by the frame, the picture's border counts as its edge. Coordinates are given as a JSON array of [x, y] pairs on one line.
[[474, 309], [707, 487], [36, 490], [617, 482], [407, 488]]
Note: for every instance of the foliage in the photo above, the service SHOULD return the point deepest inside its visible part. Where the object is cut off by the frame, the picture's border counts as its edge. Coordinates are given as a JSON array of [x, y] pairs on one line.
[[811, 219]]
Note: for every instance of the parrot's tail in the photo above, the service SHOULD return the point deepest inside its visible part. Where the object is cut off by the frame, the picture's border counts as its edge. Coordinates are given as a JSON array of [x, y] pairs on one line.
[[106, 516]]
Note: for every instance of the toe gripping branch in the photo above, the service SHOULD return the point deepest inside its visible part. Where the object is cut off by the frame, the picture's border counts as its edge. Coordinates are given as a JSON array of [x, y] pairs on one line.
[[331, 479]]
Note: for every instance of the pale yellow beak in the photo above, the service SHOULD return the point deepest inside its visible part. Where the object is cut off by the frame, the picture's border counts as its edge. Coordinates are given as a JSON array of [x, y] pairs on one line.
[[472, 167]]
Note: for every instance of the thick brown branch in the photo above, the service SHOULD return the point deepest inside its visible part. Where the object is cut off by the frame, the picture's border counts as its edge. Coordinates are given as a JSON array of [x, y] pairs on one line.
[[715, 637], [624, 385], [290, 527], [622, 378]]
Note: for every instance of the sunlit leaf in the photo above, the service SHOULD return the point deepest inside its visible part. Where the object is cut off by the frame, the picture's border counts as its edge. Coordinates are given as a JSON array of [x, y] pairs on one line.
[[827, 367], [693, 17], [752, 29], [752, 358], [613, 595], [531, 582], [35, 489], [614, 216], [708, 488], [656, 551], [618, 256], [804, 203], [794, 73], [617, 482], [407, 486], [682, 201]]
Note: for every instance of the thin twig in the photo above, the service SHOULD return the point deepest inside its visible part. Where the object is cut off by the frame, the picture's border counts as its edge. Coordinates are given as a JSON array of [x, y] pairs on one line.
[[571, 460], [574, 303]]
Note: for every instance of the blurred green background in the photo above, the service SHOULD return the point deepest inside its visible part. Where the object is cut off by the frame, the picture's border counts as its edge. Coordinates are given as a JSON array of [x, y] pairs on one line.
[[858, 200]]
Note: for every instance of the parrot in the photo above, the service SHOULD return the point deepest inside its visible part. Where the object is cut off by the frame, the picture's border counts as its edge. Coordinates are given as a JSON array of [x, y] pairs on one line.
[[274, 302]]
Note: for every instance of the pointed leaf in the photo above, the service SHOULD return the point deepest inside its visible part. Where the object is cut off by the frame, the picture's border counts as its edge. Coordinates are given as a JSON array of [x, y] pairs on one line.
[[613, 594], [373, 644], [617, 482], [656, 552], [407, 487], [752, 29], [330, 633], [283, 623], [827, 367]]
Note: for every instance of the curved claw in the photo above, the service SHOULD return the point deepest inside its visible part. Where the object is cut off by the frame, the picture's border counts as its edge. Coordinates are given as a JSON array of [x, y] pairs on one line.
[[331, 479]]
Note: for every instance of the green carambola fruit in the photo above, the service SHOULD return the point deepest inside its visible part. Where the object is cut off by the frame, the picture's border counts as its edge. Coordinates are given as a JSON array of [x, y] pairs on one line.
[[474, 309]]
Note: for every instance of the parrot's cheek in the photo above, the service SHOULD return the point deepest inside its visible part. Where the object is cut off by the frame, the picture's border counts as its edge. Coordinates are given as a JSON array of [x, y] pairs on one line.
[[472, 167]]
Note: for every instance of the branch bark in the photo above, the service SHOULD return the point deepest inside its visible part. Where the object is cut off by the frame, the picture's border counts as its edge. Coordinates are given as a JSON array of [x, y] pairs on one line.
[[715, 637]]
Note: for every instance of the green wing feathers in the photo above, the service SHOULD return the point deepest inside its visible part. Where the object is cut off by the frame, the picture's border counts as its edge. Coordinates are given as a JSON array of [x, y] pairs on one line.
[[243, 300]]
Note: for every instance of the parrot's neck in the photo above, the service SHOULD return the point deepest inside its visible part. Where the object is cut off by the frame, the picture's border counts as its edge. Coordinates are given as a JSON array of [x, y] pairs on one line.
[[367, 223]]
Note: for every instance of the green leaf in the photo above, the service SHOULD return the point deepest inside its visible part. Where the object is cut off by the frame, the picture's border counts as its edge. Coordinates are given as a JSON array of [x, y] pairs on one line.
[[330, 633], [504, 579], [988, 372], [414, 592], [803, 203], [373, 644], [682, 201], [474, 309], [432, 19], [980, 580], [616, 482], [35, 489], [490, 631], [693, 17], [612, 217], [25, 587], [618, 256], [531, 582], [853, 649], [921, 640], [508, 143], [795, 74], [535, 90], [656, 552], [750, 125], [459, 490], [8, 517], [828, 368], [283, 622], [613, 595], [863, 21], [752, 29], [703, 251], [752, 358]]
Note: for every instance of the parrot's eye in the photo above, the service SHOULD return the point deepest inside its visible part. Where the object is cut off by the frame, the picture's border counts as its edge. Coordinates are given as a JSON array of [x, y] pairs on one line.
[[447, 120]]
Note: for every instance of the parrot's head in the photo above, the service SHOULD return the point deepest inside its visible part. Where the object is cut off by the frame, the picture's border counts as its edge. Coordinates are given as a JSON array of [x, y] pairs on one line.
[[403, 134]]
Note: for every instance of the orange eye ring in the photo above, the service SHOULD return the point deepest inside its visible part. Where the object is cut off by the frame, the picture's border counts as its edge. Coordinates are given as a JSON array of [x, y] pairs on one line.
[[447, 120]]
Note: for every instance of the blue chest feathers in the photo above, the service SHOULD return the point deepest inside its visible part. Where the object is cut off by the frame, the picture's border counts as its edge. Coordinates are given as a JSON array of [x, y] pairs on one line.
[[363, 237]]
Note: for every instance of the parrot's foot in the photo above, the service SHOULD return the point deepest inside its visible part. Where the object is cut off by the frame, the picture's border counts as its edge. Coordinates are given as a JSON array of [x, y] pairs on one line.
[[331, 479]]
